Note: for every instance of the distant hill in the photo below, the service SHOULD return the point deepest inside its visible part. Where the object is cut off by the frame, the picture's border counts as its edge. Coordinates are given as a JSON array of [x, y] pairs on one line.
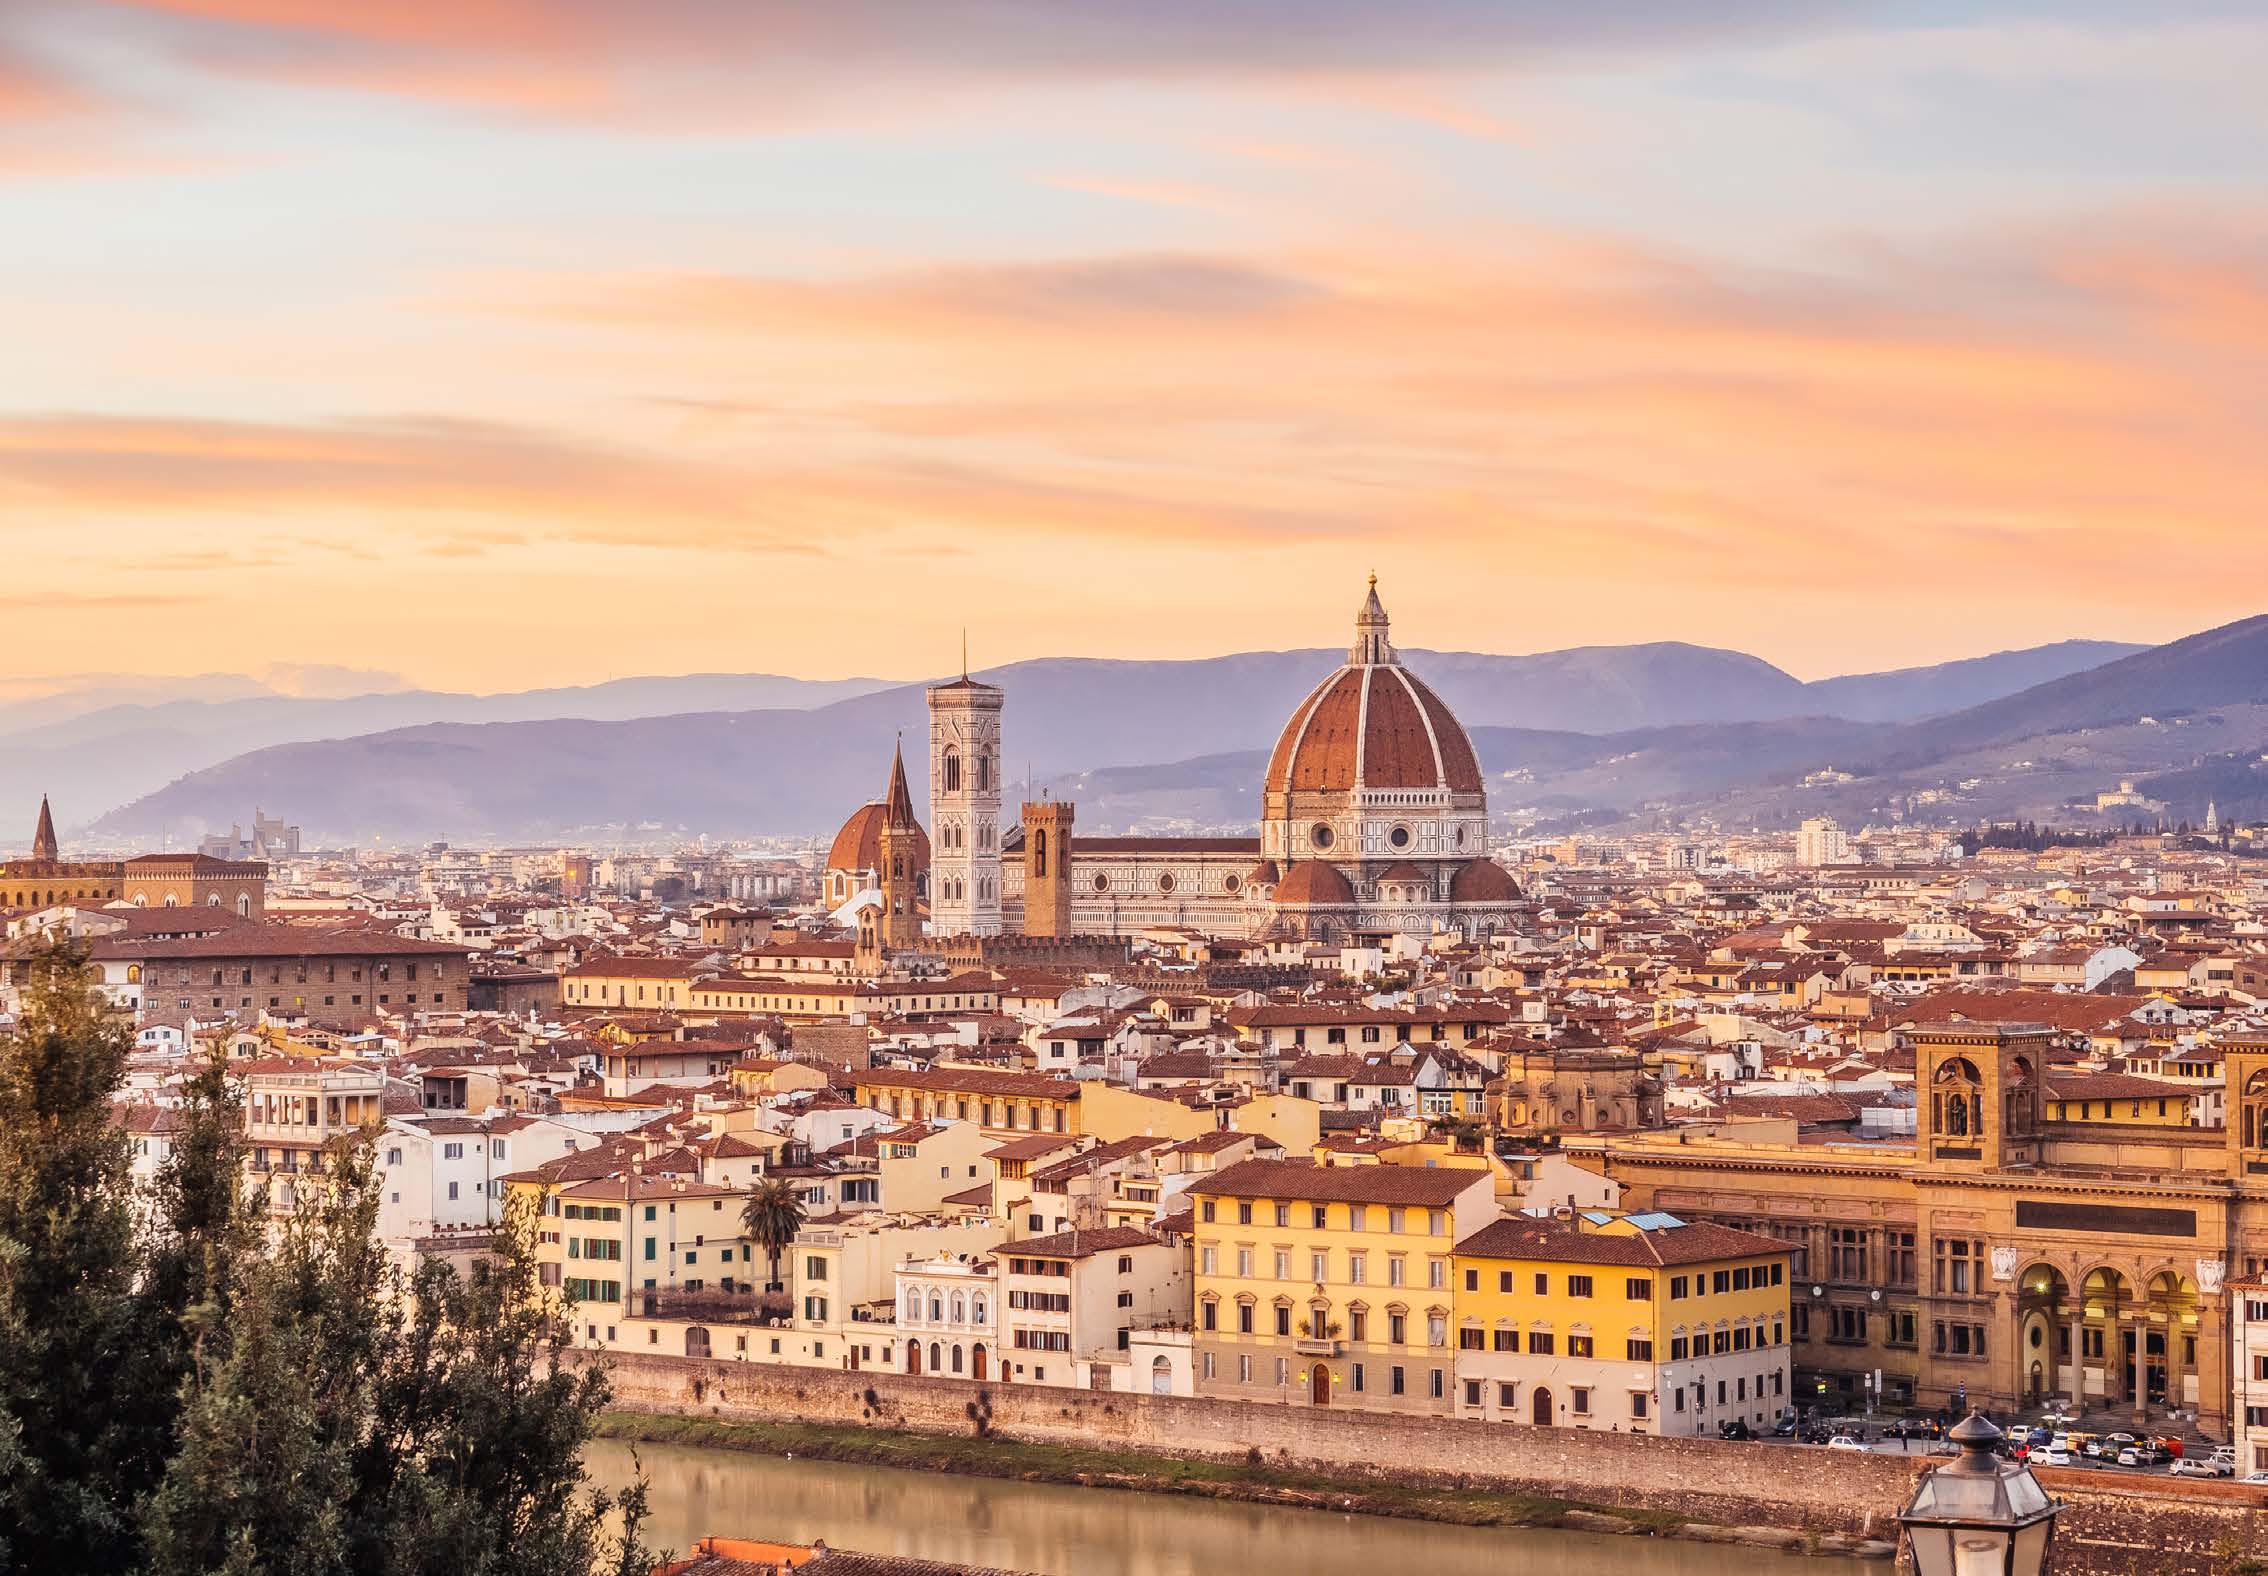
[[2224, 666], [92, 759], [1138, 743], [1910, 693]]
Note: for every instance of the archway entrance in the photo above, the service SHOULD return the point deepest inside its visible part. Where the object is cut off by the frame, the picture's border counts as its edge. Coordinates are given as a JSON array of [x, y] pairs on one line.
[[1541, 1403], [976, 1360], [1319, 1386], [1161, 1375], [2106, 1335], [2169, 1344], [913, 1358], [2047, 1334]]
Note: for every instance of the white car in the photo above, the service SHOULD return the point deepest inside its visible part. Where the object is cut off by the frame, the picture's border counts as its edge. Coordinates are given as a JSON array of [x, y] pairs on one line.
[[2052, 1456], [1844, 1442], [2255, 1477], [2202, 1466]]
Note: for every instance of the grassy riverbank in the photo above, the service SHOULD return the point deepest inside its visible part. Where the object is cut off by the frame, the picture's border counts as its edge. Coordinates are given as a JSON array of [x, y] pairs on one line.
[[1253, 1481]]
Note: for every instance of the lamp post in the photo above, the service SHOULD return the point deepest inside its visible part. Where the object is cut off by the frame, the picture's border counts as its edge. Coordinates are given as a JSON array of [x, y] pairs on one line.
[[1980, 1515]]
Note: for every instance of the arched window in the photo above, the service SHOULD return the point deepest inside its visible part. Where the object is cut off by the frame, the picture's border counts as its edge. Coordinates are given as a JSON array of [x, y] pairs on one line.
[[960, 1309], [952, 769], [936, 1311], [133, 974], [976, 1308], [1039, 853], [983, 773]]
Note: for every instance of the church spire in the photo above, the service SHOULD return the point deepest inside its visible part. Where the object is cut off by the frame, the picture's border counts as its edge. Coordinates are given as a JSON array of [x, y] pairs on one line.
[[44, 845], [1371, 645], [897, 799]]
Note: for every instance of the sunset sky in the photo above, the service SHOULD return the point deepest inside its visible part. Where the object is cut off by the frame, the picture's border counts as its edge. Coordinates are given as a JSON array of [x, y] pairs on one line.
[[499, 343]]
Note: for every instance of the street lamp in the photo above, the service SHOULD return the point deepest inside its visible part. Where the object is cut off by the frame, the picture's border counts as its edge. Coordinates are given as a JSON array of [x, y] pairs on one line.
[[1979, 1516]]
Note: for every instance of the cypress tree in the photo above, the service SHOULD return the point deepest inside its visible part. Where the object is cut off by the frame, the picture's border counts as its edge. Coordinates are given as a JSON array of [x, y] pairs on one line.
[[68, 1309]]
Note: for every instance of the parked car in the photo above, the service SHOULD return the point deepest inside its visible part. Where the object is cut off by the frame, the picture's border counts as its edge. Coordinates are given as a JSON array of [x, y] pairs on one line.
[[2225, 1453], [2052, 1456], [1737, 1428], [2256, 1477], [2205, 1467], [1844, 1442]]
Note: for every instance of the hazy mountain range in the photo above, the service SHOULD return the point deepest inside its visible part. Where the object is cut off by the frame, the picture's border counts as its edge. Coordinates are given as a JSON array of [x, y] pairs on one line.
[[1138, 743]]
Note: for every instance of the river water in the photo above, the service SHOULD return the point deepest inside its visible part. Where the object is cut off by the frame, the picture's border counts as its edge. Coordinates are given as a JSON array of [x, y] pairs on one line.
[[1069, 1531]]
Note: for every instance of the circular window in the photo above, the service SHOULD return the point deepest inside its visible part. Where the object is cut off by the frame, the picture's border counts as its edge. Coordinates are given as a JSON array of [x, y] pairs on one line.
[[1165, 883], [1102, 883], [1320, 836], [1399, 837], [1230, 883]]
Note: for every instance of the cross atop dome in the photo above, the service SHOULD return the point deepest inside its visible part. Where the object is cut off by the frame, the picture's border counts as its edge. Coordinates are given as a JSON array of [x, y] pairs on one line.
[[1371, 646]]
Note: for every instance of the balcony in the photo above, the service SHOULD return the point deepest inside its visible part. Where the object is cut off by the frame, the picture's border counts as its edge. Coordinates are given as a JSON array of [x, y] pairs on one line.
[[1325, 1346]]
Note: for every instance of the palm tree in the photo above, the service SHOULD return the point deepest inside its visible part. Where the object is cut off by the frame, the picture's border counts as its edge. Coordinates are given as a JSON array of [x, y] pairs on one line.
[[773, 1215]]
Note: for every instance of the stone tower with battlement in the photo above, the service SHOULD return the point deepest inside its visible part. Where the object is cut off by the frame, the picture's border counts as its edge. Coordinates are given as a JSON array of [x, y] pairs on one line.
[[1047, 868]]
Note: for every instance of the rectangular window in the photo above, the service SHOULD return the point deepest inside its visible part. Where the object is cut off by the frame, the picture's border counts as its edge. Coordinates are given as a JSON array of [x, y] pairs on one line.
[[1638, 1289], [1578, 1285], [1541, 1343], [1472, 1392], [1958, 1265], [1506, 1340], [1638, 1404], [1638, 1351], [1358, 1217], [1395, 1380], [1578, 1346], [1581, 1404]]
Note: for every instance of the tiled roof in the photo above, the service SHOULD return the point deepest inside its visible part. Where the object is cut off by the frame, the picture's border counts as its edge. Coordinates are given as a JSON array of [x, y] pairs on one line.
[[1079, 1244], [1433, 1187], [1564, 1242]]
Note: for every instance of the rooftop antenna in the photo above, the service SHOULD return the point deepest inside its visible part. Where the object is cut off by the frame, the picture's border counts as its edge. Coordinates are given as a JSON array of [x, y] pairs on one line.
[[964, 651]]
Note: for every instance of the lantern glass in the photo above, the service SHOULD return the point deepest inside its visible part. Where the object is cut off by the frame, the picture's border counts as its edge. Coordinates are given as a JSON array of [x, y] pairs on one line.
[[1981, 1551]]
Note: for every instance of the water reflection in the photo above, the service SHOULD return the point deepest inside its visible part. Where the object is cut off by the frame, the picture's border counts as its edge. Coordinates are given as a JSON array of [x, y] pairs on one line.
[[1103, 1532]]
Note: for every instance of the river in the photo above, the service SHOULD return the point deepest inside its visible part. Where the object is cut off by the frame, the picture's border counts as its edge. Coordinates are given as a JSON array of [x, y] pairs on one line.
[[1065, 1531]]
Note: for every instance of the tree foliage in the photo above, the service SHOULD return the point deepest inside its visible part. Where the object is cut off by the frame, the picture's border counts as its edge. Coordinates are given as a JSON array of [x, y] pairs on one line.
[[773, 1216], [211, 1381]]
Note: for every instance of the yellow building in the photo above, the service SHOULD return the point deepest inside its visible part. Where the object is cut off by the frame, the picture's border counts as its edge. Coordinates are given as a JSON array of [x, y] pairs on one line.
[[999, 1102], [1330, 1285], [1643, 1324], [2119, 1099]]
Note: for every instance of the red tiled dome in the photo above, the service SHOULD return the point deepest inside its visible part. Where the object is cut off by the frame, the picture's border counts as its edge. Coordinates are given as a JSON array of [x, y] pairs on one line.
[[1484, 881], [1313, 881], [1373, 724], [858, 846]]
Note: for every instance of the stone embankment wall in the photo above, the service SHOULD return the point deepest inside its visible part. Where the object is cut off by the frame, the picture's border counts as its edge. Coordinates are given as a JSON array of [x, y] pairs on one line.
[[2179, 1527]]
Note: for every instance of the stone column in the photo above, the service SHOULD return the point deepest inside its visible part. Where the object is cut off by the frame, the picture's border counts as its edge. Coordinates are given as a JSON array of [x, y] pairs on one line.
[[2007, 1367], [2215, 1382]]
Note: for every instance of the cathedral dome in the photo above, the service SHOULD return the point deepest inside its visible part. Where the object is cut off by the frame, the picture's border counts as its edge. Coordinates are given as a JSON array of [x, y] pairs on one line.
[[858, 846], [1484, 881], [1373, 725], [1311, 881]]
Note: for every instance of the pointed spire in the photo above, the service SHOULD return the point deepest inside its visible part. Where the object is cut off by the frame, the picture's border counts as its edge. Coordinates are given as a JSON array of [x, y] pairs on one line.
[[897, 799], [44, 845], [1371, 642]]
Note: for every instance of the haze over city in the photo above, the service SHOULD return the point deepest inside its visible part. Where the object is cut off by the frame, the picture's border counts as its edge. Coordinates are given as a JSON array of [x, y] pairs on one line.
[[1133, 787], [404, 337]]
